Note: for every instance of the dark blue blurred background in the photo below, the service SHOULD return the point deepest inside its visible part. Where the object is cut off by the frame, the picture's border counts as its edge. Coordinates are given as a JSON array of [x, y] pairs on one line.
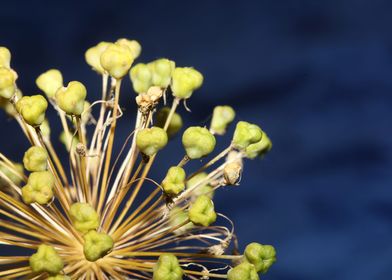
[[317, 76]]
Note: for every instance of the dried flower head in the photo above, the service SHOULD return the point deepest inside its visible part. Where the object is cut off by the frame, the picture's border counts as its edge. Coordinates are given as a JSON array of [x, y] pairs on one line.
[[104, 217]]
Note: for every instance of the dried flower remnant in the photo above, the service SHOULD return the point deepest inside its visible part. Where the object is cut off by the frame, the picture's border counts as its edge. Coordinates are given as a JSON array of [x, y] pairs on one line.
[[104, 217]]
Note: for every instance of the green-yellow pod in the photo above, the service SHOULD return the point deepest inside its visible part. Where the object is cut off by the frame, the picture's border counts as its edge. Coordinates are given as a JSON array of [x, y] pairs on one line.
[[93, 56], [5, 57], [175, 123], [243, 271], [117, 60], [198, 142], [260, 148], [185, 80], [71, 99], [83, 217], [46, 259], [246, 134], [167, 268], [150, 140], [162, 71], [59, 277], [177, 216], [174, 182], [32, 109], [133, 45], [96, 245], [39, 188], [49, 82], [261, 256], [141, 77], [68, 140], [35, 159], [7, 83], [200, 189], [202, 212], [221, 118]]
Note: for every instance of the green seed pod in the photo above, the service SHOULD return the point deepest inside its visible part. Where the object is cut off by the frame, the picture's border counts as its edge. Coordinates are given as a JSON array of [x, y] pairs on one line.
[[33, 109], [18, 168], [177, 216], [133, 45], [39, 188], [35, 159], [49, 82], [71, 99], [198, 142], [84, 217], [203, 189], [45, 128], [174, 182], [141, 78], [202, 212], [59, 277], [167, 268], [150, 140], [5, 57], [185, 81], [162, 70], [260, 148], [96, 245], [7, 106], [175, 123], [221, 118], [117, 60], [246, 134], [93, 56], [243, 271], [261, 256], [68, 140], [7, 83], [46, 260]]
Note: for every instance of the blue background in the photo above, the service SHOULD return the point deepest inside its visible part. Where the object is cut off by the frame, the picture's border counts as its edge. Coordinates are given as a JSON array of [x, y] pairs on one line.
[[316, 75]]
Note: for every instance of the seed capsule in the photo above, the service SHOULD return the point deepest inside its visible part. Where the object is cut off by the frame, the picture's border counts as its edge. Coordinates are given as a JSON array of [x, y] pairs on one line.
[[117, 60], [35, 159], [243, 271], [59, 277], [93, 56], [185, 81], [232, 173], [84, 217], [260, 148], [7, 83], [261, 256], [174, 182], [198, 142], [96, 245], [141, 77], [71, 99], [162, 70], [175, 123], [221, 118], [133, 45], [46, 259], [200, 189], [5, 57], [150, 140], [49, 82], [202, 212], [167, 268], [39, 188], [246, 134], [32, 109]]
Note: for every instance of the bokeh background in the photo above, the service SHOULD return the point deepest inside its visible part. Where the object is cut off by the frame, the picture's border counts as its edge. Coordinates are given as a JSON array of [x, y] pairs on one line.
[[316, 75]]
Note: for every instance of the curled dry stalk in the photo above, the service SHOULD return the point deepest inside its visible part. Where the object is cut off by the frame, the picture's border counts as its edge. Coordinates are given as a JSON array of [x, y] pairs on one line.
[[106, 218]]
